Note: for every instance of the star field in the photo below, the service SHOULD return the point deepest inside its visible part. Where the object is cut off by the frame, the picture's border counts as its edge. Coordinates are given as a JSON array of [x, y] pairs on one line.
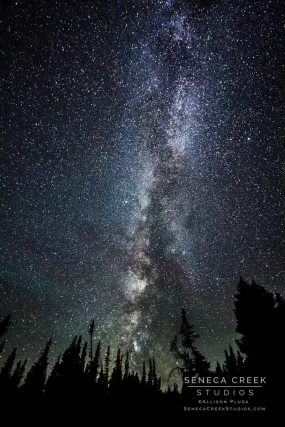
[[142, 169]]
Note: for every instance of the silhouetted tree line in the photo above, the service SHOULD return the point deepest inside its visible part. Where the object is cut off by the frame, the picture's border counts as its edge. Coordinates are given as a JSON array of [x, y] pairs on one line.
[[76, 376], [83, 373]]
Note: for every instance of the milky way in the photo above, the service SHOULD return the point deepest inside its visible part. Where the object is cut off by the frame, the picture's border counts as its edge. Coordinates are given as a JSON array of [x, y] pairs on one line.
[[143, 169]]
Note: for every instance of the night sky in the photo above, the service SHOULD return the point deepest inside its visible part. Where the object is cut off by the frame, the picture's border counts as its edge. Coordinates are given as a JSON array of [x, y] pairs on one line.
[[142, 169]]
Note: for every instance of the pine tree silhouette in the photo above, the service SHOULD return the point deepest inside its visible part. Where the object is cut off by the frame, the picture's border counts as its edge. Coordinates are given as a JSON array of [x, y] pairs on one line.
[[150, 374], [101, 381], [52, 386], [18, 375], [92, 369], [219, 371], [154, 376], [254, 308], [175, 389], [230, 364], [91, 332], [240, 363], [260, 322], [260, 319], [36, 377], [127, 368], [71, 369], [116, 377], [159, 384], [83, 357], [107, 367], [143, 379], [201, 365], [193, 362], [188, 336], [6, 373]]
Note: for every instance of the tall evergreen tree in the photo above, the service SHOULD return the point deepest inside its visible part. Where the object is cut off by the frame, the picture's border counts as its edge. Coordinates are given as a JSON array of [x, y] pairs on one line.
[[83, 357], [107, 366], [91, 332], [18, 375], [116, 377], [201, 365], [127, 367], [52, 386], [150, 373], [230, 364], [71, 356], [254, 310], [183, 356], [143, 379], [6, 371], [159, 384], [192, 360], [188, 336], [101, 380], [154, 376], [219, 372], [260, 319], [240, 363], [36, 377], [93, 367]]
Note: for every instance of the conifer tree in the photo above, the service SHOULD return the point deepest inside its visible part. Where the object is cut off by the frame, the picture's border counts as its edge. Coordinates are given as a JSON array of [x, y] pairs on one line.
[[143, 379], [219, 371], [6, 371], [137, 378], [36, 377], [175, 389], [154, 376], [193, 361], [69, 360], [260, 319], [107, 366], [93, 367], [254, 310], [83, 357], [116, 377], [188, 336], [159, 384], [97, 359], [230, 365], [240, 363], [127, 367], [70, 375], [201, 365], [101, 379], [150, 373], [91, 332], [52, 386], [18, 375]]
